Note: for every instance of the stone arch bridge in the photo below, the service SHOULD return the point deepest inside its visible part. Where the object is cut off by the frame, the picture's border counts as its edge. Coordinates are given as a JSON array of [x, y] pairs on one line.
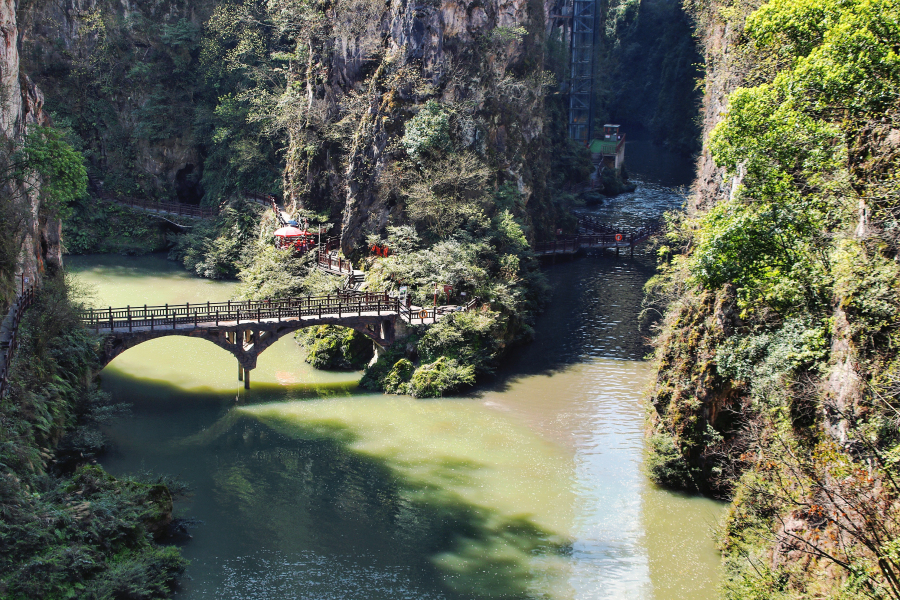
[[247, 328]]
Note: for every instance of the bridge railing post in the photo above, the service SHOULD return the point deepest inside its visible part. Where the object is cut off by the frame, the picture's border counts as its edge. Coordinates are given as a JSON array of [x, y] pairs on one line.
[[129, 318], [110, 319]]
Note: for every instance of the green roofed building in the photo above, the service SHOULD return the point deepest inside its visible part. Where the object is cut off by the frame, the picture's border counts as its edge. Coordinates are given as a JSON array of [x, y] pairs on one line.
[[611, 149]]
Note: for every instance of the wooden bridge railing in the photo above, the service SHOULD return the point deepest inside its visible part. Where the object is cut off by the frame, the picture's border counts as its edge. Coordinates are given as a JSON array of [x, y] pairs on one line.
[[170, 316], [333, 263], [9, 345]]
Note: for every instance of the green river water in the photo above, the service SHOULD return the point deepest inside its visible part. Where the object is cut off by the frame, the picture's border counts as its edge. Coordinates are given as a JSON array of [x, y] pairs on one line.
[[306, 487]]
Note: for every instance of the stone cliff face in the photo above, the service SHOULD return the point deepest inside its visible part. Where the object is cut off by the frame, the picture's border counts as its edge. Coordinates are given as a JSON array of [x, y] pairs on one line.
[[21, 106], [90, 57], [725, 71], [476, 59]]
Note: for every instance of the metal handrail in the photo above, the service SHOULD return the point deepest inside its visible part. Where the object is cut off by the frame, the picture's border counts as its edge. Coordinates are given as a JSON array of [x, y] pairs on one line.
[[184, 210]]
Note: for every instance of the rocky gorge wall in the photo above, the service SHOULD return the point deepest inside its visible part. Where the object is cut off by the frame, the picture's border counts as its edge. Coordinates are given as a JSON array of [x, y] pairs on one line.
[[33, 235], [116, 74], [776, 356], [372, 69]]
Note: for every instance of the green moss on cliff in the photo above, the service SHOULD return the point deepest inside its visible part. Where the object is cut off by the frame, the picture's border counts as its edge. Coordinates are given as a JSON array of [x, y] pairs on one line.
[[779, 341]]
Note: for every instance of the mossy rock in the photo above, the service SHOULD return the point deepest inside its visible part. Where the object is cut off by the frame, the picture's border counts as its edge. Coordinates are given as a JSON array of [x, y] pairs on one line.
[[333, 348], [443, 376]]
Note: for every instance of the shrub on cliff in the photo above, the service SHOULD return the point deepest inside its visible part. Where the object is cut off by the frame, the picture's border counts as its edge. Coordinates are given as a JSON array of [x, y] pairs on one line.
[[428, 131], [332, 348], [441, 377]]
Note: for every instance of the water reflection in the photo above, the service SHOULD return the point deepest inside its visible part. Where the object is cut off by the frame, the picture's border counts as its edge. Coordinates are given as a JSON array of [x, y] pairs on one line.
[[482, 500], [530, 488]]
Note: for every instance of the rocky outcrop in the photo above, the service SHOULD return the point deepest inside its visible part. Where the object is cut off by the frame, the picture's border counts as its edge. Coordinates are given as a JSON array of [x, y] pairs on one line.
[[22, 106], [477, 59], [92, 48]]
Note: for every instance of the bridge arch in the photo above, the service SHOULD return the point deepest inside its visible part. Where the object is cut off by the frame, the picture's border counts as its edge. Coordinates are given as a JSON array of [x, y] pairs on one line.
[[246, 341]]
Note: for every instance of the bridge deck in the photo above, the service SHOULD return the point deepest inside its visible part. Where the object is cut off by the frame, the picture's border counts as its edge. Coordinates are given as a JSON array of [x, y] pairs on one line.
[[332, 308]]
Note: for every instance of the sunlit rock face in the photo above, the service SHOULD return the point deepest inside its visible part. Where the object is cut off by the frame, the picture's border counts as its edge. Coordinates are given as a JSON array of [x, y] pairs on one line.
[[483, 60], [21, 106]]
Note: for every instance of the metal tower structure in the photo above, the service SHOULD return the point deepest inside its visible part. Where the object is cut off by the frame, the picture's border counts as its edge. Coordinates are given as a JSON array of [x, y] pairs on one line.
[[581, 76]]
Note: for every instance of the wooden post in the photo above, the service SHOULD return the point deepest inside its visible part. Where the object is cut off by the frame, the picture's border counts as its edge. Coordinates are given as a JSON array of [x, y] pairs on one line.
[[129, 318], [110, 319], [240, 372], [246, 379]]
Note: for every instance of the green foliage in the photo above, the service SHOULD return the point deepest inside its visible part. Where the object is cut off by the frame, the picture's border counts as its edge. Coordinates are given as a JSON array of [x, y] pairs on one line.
[[273, 273], [841, 52], [665, 465], [396, 380], [427, 133], [766, 357], [469, 338], [216, 249], [101, 227], [333, 348], [55, 168], [64, 535], [390, 373], [441, 377], [445, 194]]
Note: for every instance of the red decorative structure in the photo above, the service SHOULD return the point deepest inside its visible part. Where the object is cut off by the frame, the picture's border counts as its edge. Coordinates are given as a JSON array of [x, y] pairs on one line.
[[300, 240]]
